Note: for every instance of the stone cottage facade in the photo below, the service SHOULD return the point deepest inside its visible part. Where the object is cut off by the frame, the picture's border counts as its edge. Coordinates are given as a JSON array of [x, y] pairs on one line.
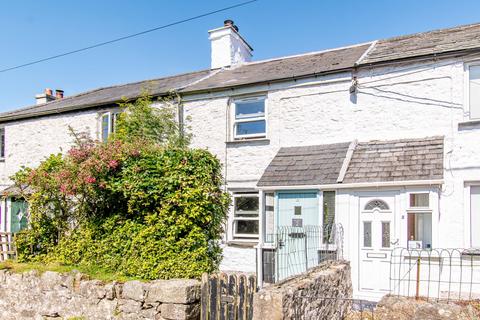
[[380, 137]]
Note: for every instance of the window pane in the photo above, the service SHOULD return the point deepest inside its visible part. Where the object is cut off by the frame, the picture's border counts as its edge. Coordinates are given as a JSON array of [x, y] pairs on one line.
[[328, 214], [419, 200], [105, 120], [474, 92], [386, 234], [246, 227], [297, 210], [367, 233], [249, 109], [475, 216], [250, 127], [246, 204], [269, 214], [420, 228]]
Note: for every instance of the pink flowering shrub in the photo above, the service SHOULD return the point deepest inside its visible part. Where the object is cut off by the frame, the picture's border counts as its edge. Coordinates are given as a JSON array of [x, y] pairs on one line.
[[140, 206]]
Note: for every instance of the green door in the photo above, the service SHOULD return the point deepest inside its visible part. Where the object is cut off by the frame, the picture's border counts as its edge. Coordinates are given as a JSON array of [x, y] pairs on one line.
[[18, 215], [298, 219]]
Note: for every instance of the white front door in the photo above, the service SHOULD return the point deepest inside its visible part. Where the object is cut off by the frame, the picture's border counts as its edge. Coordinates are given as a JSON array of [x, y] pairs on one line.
[[376, 241]]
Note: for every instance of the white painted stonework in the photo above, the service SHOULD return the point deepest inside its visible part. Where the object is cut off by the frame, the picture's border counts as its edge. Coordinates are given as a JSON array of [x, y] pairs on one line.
[[228, 48], [401, 101]]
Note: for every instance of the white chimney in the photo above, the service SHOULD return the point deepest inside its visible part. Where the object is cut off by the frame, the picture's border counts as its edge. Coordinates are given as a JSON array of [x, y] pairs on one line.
[[45, 97], [228, 46]]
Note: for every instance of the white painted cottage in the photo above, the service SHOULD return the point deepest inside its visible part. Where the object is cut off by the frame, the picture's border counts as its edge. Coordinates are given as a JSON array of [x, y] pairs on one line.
[[382, 138]]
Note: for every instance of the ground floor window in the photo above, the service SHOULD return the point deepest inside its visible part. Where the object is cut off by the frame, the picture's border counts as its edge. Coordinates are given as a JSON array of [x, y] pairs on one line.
[[245, 215], [475, 216], [420, 230]]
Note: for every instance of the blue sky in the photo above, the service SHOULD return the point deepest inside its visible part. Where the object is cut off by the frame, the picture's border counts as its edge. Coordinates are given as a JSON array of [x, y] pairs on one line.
[[33, 29]]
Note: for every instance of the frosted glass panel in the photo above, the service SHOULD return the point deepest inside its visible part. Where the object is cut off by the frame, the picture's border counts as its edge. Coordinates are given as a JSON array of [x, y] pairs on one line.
[[474, 92], [475, 215], [367, 233], [385, 234]]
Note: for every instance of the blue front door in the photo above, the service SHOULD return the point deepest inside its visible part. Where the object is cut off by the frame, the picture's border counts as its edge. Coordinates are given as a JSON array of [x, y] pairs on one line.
[[298, 220], [298, 209]]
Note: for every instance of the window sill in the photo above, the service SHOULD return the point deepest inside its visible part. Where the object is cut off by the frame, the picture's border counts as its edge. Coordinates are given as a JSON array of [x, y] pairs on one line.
[[469, 125], [243, 243], [246, 141]]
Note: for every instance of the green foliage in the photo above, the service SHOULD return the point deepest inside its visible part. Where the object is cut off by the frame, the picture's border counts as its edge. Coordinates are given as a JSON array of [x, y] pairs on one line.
[[139, 207], [157, 125]]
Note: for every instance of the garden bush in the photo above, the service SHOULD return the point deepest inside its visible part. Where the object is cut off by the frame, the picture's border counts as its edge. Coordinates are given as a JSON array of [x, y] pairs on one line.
[[140, 206]]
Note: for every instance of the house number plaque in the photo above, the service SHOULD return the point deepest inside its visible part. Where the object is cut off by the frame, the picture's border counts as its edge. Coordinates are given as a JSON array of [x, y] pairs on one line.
[[297, 222]]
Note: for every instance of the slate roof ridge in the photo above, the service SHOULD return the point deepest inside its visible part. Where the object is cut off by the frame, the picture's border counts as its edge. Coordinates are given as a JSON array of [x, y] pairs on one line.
[[402, 140], [310, 53], [429, 32]]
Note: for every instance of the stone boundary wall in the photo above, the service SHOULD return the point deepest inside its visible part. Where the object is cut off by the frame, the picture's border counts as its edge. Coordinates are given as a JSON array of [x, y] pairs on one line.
[[52, 295], [310, 295]]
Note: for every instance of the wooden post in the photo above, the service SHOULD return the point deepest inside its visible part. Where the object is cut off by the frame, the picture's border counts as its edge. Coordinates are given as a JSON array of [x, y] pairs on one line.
[[417, 293]]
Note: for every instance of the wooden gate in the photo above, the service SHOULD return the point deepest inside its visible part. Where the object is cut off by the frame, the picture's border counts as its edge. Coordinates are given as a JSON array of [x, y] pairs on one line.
[[7, 249], [228, 296]]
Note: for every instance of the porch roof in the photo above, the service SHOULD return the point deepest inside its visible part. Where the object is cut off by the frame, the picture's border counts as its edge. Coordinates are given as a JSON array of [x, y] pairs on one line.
[[373, 161], [306, 165]]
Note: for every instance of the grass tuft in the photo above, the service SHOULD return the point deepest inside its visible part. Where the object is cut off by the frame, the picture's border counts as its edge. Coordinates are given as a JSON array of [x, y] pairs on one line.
[[92, 272]]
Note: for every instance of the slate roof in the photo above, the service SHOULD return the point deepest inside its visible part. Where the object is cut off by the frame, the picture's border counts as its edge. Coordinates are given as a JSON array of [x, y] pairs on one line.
[[107, 95], [425, 43], [397, 160], [372, 161], [283, 68], [308, 165], [433, 43]]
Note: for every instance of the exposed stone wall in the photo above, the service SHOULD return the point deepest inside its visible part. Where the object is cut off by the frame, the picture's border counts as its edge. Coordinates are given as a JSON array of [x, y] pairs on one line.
[[308, 296], [52, 295], [402, 308]]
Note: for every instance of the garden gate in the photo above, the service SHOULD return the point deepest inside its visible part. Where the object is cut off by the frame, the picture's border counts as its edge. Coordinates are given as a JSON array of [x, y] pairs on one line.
[[228, 296], [7, 250]]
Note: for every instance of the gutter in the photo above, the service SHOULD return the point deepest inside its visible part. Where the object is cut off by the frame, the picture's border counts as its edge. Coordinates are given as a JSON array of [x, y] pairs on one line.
[[433, 182]]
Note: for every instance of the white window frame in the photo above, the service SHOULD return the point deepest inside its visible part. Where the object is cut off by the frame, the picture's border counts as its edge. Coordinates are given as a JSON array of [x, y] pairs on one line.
[[468, 213], [466, 90], [236, 121], [111, 127], [245, 236], [422, 210]]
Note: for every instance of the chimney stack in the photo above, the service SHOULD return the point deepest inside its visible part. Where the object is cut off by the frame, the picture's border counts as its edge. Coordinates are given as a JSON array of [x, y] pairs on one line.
[[58, 94], [228, 46], [45, 97]]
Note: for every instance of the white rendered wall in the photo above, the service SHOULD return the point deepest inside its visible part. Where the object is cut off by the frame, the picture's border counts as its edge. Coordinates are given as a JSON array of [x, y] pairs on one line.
[[405, 101], [28, 142], [401, 102]]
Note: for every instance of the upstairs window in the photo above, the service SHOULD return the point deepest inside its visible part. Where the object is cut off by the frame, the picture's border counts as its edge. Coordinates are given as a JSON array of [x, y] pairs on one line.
[[2, 143], [108, 122], [249, 118], [245, 216], [474, 92]]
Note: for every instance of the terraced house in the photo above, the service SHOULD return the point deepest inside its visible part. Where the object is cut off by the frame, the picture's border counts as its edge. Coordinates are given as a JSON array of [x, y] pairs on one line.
[[377, 141]]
